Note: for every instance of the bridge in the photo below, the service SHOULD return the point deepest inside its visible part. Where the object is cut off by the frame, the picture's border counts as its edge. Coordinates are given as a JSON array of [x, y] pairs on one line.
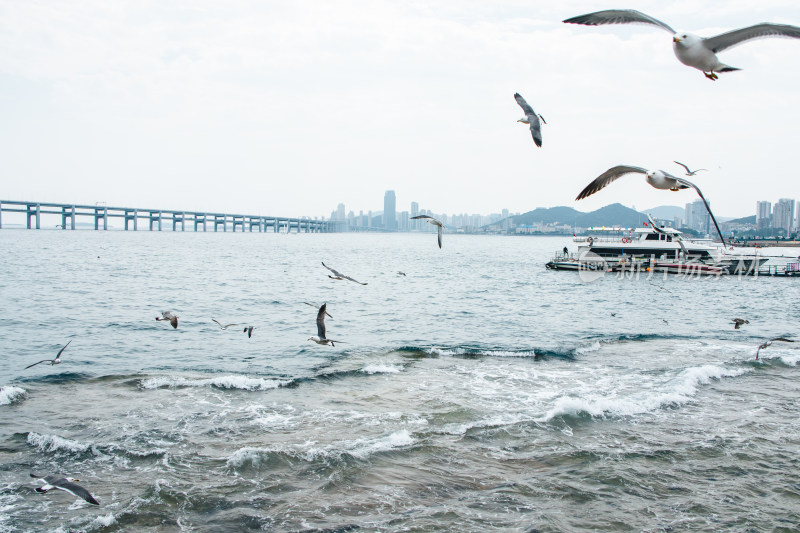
[[155, 218]]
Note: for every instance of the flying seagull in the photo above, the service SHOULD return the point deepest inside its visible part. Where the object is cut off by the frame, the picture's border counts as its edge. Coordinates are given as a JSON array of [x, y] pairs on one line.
[[55, 361], [401, 273], [168, 315], [657, 178], [689, 172], [338, 275], [315, 307], [249, 331], [691, 50], [531, 118], [739, 322], [769, 343], [221, 326], [321, 338], [66, 484], [433, 221]]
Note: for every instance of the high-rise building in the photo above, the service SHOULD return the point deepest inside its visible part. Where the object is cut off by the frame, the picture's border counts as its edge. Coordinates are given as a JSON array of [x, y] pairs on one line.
[[414, 224], [389, 211], [697, 216], [763, 214], [783, 214]]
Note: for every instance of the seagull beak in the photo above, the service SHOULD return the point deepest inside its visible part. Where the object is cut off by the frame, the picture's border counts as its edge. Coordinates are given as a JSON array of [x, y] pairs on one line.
[[675, 40]]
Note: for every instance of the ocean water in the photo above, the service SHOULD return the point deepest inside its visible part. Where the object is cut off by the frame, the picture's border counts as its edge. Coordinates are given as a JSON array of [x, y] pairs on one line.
[[480, 392]]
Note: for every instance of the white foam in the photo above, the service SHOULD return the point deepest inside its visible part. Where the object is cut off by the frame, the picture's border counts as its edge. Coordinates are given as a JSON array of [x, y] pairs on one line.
[[248, 454], [53, 443], [491, 353], [224, 382], [10, 394], [365, 447], [104, 521], [678, 391], [596, 345], [382, 369]]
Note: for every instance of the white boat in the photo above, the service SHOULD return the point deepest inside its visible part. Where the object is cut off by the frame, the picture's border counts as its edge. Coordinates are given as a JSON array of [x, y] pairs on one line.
[[653, 246]]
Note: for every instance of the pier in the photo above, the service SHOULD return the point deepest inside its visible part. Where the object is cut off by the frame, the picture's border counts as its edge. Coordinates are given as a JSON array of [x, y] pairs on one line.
[[156, 219]]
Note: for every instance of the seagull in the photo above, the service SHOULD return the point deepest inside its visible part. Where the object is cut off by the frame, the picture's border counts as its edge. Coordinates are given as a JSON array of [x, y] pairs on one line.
[[249, 331], [531, 118], [769, 343], [55, 361], [433, 221], [321, 338], [739, 322], [66, 484], [167, 315], [691, 50], [401, 273], [315, 307], [226, 326], [657, 178], [337, 275], [690, 172]]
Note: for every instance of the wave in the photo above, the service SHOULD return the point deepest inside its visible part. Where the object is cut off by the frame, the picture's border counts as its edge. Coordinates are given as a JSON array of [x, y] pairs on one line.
[[54, 443], [10, 394], [64, 377], [475, 353], [221, 382], [683, 388], [382, 369], [115, 452], [358, 449]]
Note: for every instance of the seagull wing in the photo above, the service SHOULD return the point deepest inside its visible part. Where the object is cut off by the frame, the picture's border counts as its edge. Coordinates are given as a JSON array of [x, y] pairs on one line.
[[421, 216], [782, 339], [720, 42], [607, 177], [536, 130], [700, 194], [321, 321], [439, 236], [42, 361], [617, 16], [684, 166], [314, 306], [77, 490], [335, 273], [526, 108]]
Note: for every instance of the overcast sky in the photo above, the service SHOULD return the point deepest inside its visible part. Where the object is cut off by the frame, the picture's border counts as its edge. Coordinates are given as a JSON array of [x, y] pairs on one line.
[[291, 107]]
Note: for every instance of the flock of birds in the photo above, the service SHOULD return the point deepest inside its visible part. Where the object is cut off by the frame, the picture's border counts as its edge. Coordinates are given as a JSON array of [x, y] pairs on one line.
[[691, 50]]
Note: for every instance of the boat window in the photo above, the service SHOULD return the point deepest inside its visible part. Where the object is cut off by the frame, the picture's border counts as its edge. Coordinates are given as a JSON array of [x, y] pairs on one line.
[[651, 237]]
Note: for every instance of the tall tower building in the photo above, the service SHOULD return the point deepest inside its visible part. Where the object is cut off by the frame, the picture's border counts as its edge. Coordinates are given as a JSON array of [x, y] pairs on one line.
[[414, 212], [783, 214], [763, 212], [389, 211]]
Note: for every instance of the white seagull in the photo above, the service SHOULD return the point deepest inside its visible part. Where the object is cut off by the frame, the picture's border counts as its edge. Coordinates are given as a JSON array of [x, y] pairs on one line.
[[433, 221], [66, 484], [55, 361], [769, 343], [657, 178], [531, 118], [221, 326], [689, 172], [691, 50], [321, 338]]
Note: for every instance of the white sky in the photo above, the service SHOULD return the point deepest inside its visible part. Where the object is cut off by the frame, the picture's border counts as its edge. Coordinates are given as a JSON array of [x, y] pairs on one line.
[[290, 107]]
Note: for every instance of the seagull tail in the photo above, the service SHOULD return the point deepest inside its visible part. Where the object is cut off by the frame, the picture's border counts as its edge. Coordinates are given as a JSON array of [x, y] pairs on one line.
[[727, 68]]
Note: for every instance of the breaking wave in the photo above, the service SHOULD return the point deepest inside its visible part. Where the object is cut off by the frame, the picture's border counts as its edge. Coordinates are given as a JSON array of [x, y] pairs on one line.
[[10, 394], [221, 382]]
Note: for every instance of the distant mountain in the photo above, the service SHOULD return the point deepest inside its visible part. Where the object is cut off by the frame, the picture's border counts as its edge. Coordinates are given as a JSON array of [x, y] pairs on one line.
[[666, 212], [610, 215], [744, 220]]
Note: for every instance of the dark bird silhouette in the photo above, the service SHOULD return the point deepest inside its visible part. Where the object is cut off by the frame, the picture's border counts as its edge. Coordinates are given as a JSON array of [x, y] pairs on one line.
[[249, 331], [739, 322], [55, 361], [340, 276]]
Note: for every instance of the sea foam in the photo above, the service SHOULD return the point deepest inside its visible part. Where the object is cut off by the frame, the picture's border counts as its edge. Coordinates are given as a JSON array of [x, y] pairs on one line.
[[54, 443], [10, 394], [222, 382]]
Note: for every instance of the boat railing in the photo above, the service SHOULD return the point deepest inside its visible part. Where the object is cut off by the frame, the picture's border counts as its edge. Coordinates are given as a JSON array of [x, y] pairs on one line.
[[595, 240]]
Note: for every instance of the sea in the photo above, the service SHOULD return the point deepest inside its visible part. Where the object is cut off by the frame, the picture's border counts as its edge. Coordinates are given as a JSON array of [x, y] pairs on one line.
[[469, 388]]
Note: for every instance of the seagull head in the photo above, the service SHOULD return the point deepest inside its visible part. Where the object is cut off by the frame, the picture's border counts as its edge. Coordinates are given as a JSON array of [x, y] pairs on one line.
[[686, 40]]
